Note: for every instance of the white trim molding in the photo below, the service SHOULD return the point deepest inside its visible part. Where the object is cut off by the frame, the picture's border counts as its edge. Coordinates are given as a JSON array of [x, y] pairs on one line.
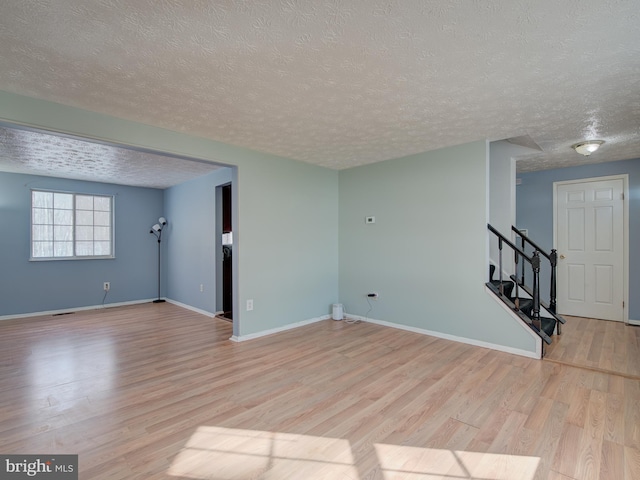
[[291, 326], [193, 309], [454, 338], [73, 310]]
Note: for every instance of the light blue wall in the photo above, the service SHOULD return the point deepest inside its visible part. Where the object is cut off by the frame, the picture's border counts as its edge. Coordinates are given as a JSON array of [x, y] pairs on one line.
[[427, 253], [502, 194], [534, 199], [38, 286], [286, 228], [191, 240], [289, 249]]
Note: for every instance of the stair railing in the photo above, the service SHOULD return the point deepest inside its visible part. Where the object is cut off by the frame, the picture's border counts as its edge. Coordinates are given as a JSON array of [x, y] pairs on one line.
[[553, 262], [534, 261]]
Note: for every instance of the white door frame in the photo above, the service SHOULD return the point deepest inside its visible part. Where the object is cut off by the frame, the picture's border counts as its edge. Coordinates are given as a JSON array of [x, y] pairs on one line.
[[625, 236]]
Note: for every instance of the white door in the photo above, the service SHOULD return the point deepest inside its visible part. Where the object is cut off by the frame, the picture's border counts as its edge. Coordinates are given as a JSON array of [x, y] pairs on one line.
[[590, 244]]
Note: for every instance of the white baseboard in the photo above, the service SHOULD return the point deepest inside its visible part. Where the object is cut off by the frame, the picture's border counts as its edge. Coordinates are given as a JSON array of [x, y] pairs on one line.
[[189, 307], [76, 309], [251, 336], [634, 322], [446, 336]]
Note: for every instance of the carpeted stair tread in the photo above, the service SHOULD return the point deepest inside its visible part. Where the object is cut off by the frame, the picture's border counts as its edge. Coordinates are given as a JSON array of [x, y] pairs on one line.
[[548, 325], [526, 305], [507, 287]]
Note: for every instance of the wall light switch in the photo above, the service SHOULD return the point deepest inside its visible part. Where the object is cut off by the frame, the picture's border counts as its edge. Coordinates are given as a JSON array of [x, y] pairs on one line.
[[249, 305]]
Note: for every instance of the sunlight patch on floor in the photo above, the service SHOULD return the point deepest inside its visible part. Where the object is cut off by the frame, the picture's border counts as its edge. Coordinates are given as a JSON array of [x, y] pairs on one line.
[[409, 463], [224, 453], [227, 453]]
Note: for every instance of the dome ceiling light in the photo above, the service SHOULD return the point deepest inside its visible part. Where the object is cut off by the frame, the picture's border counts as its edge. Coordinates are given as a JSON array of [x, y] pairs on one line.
[[588, 147]]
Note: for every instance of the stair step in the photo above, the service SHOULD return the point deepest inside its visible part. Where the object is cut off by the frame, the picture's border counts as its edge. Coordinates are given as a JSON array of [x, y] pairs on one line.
[[507, 286], [548, 325], [524, 313], [542, 302], [525, 304]]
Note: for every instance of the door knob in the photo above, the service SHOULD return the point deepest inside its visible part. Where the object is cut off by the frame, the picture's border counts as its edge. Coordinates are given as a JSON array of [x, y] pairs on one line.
[[562, 257]]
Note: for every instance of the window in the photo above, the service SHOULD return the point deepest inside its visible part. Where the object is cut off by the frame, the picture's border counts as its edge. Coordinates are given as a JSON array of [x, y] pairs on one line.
[[71, 225]]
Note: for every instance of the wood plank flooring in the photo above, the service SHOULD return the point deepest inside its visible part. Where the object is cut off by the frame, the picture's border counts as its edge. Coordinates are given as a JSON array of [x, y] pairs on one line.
[[601, 345], [155, 391]]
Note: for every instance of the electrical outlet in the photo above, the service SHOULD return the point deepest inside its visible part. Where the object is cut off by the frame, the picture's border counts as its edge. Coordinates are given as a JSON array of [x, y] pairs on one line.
[[106, 286], [201, 287], [249, 305]]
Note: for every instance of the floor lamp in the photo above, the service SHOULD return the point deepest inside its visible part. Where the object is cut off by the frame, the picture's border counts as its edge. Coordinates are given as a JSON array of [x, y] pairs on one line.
[[157, 231]]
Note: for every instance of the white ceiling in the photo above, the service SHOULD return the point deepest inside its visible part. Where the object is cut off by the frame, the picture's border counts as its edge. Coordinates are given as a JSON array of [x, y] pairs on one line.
[[342, 83], [41, 153]]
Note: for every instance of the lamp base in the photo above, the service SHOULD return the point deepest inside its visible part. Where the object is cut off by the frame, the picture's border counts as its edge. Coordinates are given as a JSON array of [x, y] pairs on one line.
[[160, 300]]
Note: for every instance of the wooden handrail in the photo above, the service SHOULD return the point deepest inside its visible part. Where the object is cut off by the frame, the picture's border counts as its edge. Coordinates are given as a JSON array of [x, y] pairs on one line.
[[508, 242], [532, 243]]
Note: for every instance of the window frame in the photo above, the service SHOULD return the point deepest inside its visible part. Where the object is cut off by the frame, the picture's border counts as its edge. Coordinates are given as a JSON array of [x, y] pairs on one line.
[[74, 225]]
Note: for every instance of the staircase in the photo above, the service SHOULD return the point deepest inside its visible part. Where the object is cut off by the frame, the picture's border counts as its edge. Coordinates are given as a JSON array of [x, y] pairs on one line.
[[522, 299]]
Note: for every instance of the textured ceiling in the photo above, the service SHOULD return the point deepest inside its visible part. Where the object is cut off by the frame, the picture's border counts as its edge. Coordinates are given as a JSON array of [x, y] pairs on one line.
[[342, 83], [39, 153]]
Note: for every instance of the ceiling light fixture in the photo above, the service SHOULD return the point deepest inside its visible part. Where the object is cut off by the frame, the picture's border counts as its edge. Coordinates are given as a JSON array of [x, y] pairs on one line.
[[588, 147]]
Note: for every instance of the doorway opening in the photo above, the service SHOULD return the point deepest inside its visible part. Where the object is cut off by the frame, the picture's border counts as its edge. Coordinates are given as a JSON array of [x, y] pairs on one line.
[[224, 268]]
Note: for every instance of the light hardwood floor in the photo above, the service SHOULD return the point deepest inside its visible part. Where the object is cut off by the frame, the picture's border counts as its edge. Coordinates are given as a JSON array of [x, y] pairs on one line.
[[156, 391], [601, 345]]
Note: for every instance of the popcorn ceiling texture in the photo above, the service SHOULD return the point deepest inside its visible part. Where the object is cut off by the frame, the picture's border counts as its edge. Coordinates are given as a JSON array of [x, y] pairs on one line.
[[341, 83], [23, 151]]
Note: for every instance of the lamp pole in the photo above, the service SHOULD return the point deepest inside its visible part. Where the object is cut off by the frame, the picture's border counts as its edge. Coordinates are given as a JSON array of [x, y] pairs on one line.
[[157, 231]]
